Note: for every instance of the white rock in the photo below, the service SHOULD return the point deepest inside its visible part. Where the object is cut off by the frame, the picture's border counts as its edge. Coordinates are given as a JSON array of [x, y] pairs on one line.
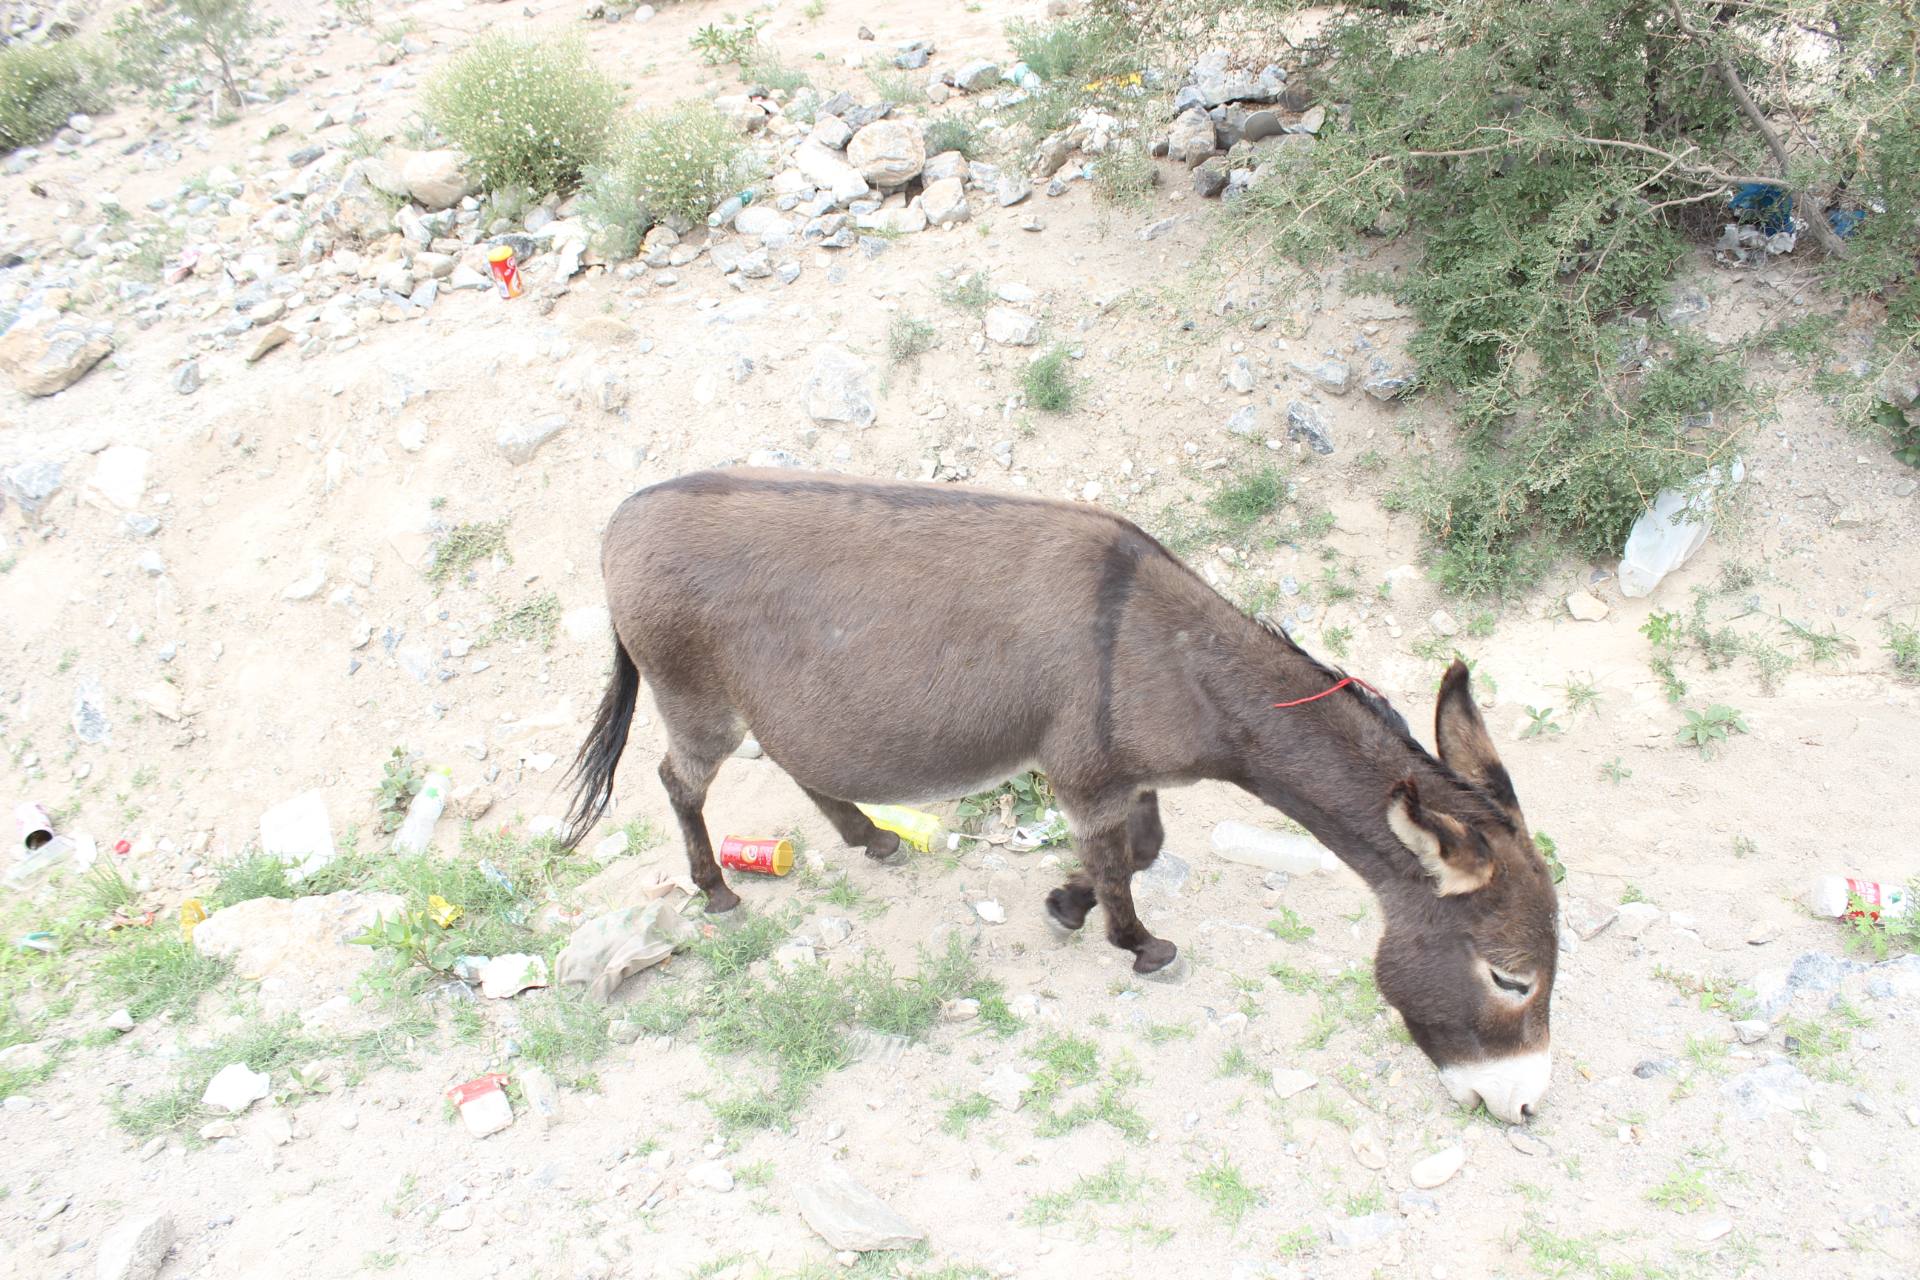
[[1288, 1081], [945, 202], [710, 1175], [1007, 1086], [135, 1249], [1437, 1168], [848, 1216], [1012, 328], [1586, 607], [837, 390], [519, 443], [1367, 1148], [1636, 918], [888, 153], [119, 476], [236, 1087], [308, 585], [990, 911], [437, 179]]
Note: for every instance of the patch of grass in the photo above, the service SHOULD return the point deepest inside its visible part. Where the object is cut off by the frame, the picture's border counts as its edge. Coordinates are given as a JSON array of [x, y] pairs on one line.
[[1903, 646], [1708, 729], [963, 1112], [400, 781], [565, 1031], [1337, 640], [954, 133], [1684, 1190], [42, 85], [535, 619], [1077, 49], [527, 112], [678, 163], [270, 1045], [895, 85], [765, 68], [106, 890], [1236, 1061], [1819, 1045], [908, 338], [1112, 1185], [465, 545], [1226, 1191], [973, 292], [1540, 723], [1049, 382], [154, 971], [1289, 927], [1247, 499], [1126, 175], [1582, 695]]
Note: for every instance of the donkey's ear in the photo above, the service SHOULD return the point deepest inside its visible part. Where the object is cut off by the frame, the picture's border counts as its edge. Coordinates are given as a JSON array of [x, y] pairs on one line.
[[1452, 853], [1464, 745]]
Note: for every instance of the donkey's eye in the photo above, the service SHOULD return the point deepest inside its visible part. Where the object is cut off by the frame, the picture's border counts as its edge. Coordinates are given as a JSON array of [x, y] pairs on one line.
[[1507, 982]]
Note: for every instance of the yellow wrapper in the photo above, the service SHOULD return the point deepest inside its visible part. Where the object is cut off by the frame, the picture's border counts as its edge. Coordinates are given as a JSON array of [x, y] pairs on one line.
[[911, 825]]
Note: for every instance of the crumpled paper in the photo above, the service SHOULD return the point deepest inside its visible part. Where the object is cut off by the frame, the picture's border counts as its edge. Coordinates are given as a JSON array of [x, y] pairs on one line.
[[609, 949]]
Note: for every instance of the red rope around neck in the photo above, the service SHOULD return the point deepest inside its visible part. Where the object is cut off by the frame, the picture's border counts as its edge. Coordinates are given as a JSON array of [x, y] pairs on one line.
[[1329, 692]]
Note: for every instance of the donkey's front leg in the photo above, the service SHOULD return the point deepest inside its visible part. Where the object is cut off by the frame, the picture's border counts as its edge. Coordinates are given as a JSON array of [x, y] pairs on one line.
[[1109, 859]]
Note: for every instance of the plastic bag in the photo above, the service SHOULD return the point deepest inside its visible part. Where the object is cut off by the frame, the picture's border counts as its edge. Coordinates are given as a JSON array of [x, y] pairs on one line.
[[1672, 529]]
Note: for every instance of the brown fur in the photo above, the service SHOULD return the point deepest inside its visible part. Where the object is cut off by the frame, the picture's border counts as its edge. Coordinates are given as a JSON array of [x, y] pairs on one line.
[[891, 642]]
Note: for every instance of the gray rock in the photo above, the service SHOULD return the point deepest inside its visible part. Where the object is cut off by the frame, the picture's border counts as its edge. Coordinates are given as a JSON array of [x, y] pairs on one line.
[[1304, 423], [1367, 1229], [1012, 328], [1240, 375], [1588, 919], [1011, 190], [977, 75], [837, 389], [831, 132], [1210, 179], [1154, 230], [1384, 382], [1245, 420], [152, 565], [90, 712], [135, 1249], [1335, 376], [848, 1216], [1752, 1030], [948, 164], [31, 484], [888, 153], [945, 202], [266, 340], [137, 525], [305, 156], [1165, 874], [1215, 84], [519, 443], [1778, 1086], [1191, 139]]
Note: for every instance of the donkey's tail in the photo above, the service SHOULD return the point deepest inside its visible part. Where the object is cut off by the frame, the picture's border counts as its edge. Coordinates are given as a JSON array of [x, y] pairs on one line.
[[600, 753]]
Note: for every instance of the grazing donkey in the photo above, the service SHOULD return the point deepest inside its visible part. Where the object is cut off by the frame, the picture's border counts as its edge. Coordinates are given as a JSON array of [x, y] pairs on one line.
[[892, 643]]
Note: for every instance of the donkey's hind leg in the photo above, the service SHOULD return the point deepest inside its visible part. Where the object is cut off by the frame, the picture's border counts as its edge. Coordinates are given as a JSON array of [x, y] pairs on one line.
[[697, 742], [854, 826], [1145, 835]]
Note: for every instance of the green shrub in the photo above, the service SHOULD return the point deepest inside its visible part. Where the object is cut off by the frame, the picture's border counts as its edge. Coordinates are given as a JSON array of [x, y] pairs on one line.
[[908, 338], [1125, 175], [172, 39], [673, 165], [530, 113], [1555, 162], [42, 85], [954, 133], [1049, 382], [1073, 51]]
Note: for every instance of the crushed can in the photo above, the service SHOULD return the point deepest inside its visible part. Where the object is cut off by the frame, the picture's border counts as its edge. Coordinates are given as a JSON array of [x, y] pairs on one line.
[[506, 272], [483, 1104], [36, 828], [192, 912], [764, 855], [916, 828]]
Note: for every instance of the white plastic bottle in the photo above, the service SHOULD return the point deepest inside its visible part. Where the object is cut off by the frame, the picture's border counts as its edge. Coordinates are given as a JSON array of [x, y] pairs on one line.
[[417, 831], [1831, 896], [1271, 850]]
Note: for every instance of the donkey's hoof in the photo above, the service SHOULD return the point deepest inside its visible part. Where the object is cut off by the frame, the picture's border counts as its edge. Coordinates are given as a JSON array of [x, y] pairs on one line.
[[1065, 911], [1155, 958], [721, 899], [883, 845]]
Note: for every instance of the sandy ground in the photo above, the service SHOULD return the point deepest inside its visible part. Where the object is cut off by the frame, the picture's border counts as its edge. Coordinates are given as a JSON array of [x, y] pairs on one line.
[[272, 468]]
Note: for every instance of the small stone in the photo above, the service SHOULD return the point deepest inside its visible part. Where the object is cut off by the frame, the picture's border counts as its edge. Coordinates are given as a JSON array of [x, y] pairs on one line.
[[1521, 1140], [1442, 623], [518, 444], [136, 1248], [1752, 1030], [1364, 1230], [235, 1088], [265, 340], [1240, 376], [1007, 1087], [1588, 919], [1865, 1105], [837, 390], [1335, 376], [1637, 917], [1245, 421], [1288, 1081], [710, 1175], [1437, 1168], [120, 1020], [1586, 607], [1713, 1229], [848, 1216], [458, 1218], [186, 378], [1012, 328], [990, 911], [977, 75], [1305, 424], [1367, 1148]]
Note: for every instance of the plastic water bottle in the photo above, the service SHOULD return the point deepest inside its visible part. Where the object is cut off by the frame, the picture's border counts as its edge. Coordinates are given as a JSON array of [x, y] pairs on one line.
[[1831, 896], [730, 209], [416, 832], [1671, 530], [1271, 850]]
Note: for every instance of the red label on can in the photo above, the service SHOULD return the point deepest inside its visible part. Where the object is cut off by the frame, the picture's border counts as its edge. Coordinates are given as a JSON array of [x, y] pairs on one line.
[[462, 1094], [1870, 895], [506, 274], [768, 856]]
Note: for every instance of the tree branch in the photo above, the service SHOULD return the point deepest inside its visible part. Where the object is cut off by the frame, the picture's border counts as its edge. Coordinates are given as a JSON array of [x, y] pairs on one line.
[[1730, 76]]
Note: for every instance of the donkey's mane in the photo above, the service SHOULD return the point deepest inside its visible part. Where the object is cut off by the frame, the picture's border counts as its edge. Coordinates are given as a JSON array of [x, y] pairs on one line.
[[1483, 805]]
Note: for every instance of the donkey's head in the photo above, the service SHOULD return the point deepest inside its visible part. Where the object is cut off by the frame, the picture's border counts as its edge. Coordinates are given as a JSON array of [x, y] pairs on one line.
[[1471, 934]]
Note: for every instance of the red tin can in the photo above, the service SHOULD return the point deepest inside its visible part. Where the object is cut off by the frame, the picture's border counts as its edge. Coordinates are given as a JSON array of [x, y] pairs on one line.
[[506, 272], [764, 855]]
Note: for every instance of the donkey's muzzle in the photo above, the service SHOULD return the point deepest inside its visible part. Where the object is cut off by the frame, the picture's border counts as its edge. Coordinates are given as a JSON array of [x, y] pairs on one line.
[[1511, 1088]]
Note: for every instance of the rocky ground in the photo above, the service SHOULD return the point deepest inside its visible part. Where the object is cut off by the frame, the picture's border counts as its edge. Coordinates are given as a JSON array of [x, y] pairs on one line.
[[287, 487]]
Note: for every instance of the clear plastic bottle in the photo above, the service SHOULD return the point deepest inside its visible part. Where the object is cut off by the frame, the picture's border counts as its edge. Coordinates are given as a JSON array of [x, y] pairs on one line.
[[1832, 896], [730, 209], [1271, 850], [416, 832]]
